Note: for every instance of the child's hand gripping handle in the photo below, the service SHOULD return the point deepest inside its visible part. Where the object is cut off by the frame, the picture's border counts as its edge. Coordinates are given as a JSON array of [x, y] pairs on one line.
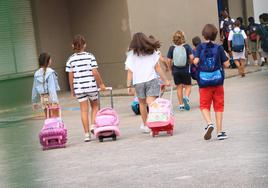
[[53, 108]]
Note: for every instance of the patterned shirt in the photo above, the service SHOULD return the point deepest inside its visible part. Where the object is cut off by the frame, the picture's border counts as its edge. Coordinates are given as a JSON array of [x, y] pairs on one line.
[[81, 65]]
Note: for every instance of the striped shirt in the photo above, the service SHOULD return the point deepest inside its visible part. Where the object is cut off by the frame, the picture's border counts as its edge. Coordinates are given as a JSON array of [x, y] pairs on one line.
[[81, 64]]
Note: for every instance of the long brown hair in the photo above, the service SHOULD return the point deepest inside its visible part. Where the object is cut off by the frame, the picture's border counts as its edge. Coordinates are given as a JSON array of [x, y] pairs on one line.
[[143, 45], [43, 63]]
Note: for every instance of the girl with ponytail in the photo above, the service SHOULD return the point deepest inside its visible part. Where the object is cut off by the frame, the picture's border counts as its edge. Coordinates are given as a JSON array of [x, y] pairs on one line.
[[45, 85]]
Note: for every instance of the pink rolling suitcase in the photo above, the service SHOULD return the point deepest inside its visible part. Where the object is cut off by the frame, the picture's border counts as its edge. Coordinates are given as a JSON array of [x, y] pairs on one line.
[[160, 117], [54, 133], [106, 122]]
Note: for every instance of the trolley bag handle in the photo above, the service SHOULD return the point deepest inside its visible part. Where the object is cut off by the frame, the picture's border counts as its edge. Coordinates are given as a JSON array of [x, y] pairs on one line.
[[111, 96], [56, 107], [171, 93], [170, 96]]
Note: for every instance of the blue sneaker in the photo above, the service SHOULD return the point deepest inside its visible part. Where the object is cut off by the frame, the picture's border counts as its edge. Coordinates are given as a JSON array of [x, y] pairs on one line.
[[186, 103]]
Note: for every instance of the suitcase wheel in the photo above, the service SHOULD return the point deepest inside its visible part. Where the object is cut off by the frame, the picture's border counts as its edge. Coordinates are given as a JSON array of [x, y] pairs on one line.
[[101, 139]]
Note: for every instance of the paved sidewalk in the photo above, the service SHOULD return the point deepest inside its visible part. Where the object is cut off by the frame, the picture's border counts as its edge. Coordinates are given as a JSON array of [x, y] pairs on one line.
[[68, 103]]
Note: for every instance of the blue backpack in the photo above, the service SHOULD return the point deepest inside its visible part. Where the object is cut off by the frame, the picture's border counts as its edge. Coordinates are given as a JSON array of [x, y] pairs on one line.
[[238, 42], [210, 70]]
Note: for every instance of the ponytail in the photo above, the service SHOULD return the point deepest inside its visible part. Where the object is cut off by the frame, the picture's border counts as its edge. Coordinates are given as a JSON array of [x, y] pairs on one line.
[[43, 63]]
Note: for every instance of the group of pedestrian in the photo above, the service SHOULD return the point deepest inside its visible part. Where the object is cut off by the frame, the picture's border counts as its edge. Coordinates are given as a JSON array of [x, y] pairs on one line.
[[205, 62], [240, 41]]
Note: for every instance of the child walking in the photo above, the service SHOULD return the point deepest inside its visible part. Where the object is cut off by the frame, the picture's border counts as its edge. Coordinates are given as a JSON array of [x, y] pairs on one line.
[[45, 85], [211, 58], [180, 56], [142, 65], [238, 38], [84, 80]]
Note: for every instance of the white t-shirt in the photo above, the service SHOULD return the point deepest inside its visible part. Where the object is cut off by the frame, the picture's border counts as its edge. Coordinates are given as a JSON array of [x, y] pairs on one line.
[[142, 66], [81, 64], [236, 29]]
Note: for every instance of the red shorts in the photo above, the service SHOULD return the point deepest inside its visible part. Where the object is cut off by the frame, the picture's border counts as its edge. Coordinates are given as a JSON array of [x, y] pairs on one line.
[[212, 94]]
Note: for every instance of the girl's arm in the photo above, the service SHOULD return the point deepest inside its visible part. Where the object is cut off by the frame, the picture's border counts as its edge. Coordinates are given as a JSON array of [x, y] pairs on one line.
[[52, 90], [169, 63], [161, 74], [35, 96], [229, 46], [258, 42], [98, 78], [71, 82], [129, 82]]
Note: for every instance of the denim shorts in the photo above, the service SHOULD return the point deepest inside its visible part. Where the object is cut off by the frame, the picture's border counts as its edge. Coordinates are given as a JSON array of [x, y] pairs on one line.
[[148, 89], [44, 99]]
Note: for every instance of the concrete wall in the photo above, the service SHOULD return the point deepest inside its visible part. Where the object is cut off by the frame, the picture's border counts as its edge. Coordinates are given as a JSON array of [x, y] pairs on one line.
[[15, 92], [163, 18], [235, 8], [259, 6], [53, 33], [104, 23]]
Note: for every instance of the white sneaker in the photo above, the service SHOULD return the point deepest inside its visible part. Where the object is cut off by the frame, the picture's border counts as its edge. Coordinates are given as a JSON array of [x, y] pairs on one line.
[[87, 137], [145, 129]]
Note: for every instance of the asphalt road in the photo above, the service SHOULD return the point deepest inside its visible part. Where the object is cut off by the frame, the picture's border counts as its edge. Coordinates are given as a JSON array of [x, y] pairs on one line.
[[138, 160]]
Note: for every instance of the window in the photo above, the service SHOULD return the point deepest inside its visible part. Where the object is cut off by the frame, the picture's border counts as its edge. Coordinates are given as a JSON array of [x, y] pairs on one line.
[[17, 39]]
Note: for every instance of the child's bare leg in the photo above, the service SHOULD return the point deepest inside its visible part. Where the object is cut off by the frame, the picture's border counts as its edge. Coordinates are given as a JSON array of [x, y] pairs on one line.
[[207, 116], [94, 109], [254, 55], [218, 116], [150, 99], [188, 89], [237, 63], [84, 115], [180, 93], [143, 109], [242, 62]]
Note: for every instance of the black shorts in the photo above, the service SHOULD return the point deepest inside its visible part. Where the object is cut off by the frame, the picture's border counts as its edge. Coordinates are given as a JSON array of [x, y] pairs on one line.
[[182, 78]]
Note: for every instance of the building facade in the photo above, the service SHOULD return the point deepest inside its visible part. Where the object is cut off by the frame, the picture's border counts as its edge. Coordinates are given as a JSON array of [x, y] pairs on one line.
[[29, 27]]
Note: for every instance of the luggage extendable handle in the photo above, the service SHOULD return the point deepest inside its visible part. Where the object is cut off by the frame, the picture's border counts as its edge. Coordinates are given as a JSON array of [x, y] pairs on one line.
[[111, 95], [53, 107]]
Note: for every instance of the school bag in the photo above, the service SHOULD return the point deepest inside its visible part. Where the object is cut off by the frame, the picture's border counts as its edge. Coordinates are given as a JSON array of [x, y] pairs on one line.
[[253, 33], [54, 132], [210, 70], [107, 121], [179, 56], [264, 40], [238, 42]]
